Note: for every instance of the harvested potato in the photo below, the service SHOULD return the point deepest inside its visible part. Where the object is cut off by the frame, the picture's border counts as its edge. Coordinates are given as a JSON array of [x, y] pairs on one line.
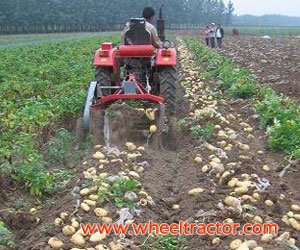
[[198, 159], [216, 241], [68, 230], [84, 191], [251, 243], [101, 247], [228, 221], [269, 203], [58, 221], [176, 207], [97, 237], [98, 155], [297, 217], [85, 207], [232, 201], [153, 129], [55, 243], [116, 246], [143, 202], [78, 239], [75, 224], [93, 197], [134, 174], [130, 146], [141, 149], [266, 168], [235, 244], [294, 223], [291, 241], [33, 211], [100, 212], [205, 169], [285, 219], [64, 215], [106, 220], [196, 191], [232, 183], [256, 196], [257, 219], [295, 208], [243, 246], [90, 203], [241, 190]]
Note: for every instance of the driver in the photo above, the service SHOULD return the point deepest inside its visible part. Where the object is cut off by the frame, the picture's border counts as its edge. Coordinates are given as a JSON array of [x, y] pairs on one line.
[[148, 14]]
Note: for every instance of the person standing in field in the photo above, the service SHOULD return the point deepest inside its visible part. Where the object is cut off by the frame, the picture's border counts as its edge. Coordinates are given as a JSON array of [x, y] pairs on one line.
[[212, 35], [206, 35], [219, 35]]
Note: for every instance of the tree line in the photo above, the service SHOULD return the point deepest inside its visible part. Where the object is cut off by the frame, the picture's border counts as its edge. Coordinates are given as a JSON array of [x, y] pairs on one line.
[[266, 20], [41, 16]]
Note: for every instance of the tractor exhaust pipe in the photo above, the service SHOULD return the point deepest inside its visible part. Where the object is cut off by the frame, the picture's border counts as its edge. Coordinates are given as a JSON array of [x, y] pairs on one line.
[[161, 25]]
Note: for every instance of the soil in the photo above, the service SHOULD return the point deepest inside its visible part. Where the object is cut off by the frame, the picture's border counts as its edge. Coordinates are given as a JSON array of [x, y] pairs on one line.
[[276, 61], [171, 174]]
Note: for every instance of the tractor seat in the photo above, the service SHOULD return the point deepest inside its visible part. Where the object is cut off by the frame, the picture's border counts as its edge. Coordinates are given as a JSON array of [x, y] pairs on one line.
[[137, 33]]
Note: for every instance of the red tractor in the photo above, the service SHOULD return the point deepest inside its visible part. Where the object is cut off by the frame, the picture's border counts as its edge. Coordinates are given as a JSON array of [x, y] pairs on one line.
[[136, 77]]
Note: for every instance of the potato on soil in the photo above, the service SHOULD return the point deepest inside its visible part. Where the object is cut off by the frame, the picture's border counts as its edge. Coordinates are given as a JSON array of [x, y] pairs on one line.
[[97, 237], [78, 239], [100, 212], [235, 244], [196, 191], [55, 243], [98, 156], [68, 230]]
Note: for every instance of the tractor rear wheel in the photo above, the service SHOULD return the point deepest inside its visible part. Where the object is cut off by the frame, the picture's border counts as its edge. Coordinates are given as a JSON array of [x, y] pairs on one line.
[[104, 78], [168, 80]]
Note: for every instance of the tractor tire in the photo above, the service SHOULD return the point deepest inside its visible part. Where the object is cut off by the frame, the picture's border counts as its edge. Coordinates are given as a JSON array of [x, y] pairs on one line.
[[97, 126], [103, 76], [168, 80]]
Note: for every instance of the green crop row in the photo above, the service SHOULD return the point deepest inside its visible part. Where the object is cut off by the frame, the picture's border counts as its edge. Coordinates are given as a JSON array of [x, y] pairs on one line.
[[279, 115], [39, 87]]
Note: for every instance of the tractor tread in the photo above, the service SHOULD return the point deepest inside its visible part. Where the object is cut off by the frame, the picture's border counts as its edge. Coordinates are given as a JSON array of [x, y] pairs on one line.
[[168, 85], [103, 77]]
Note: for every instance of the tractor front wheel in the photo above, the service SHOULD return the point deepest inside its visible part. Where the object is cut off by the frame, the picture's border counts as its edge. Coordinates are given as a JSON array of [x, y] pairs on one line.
[[103, 76]]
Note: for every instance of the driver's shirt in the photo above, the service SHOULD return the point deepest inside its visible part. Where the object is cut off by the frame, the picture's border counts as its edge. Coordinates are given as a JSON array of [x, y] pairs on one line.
[[155, 41]]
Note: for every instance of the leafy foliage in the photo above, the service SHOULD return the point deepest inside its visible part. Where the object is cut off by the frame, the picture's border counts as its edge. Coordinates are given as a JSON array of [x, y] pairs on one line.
[[117, 190], [39, 87], [6, 237], [204, 133], [164, 242]]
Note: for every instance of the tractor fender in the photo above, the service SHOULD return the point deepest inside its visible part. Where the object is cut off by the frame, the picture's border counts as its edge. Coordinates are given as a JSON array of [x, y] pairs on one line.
[[88, 104], [106, 59], [166, 57]]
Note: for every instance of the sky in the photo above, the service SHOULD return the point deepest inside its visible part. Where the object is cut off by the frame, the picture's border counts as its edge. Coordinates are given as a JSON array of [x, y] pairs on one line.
[[261, 7]]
